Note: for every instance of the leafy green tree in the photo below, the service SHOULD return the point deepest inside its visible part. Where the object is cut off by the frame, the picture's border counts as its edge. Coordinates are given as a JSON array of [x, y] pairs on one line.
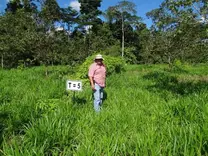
[[68, 17], [124, 17], [13, 6], [18, 33], [89, 22], [27, 5], [180, 23], [89, 11], [50, 13]]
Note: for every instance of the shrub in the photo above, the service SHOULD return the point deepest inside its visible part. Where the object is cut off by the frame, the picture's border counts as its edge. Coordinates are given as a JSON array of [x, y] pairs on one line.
[[177, 63], [113, 64], [178, 67], [130, 56], [114, 50]]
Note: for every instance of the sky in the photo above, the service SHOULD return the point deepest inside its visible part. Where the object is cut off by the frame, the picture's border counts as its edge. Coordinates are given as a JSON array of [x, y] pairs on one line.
[[142, 6]]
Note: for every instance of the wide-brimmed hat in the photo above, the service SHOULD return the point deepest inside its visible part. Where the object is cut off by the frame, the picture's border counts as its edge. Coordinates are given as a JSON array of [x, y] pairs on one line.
[[99, 57]]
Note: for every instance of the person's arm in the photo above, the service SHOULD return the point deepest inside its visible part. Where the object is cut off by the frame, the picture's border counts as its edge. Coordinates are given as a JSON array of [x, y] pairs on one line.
[[92, 83], [90, 75]]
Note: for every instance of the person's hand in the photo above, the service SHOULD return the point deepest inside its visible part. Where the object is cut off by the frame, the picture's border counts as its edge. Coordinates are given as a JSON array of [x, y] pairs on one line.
[[93, 87]]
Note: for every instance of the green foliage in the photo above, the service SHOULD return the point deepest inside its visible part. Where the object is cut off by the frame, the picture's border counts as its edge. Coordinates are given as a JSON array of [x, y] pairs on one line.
[[122, 20], [21, 45], [28, 32], [154, 112], [178, 31], [44, 107], [113, 65], [50, 11], [89, 12], [113, 50], [129, 55], [177, 63], [178, 67], [28, 95]]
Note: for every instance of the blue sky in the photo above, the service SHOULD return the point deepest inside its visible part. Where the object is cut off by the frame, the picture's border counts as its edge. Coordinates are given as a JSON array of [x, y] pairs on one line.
[[143, 6]]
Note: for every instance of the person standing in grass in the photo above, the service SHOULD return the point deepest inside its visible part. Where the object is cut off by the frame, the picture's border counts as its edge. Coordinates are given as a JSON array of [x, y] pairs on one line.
[[97, 77]]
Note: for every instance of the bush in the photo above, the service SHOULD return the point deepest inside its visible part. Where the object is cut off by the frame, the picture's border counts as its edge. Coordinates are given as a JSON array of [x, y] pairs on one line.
[[178, 66], [130, 56], [114, 50], [113, 64]]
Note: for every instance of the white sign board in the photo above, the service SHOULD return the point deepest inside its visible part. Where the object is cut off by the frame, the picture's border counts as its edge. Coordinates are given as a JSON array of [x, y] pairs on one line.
[[74, 85]]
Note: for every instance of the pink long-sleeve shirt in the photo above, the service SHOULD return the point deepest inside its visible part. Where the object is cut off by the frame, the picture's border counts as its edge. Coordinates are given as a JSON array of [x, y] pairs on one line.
[[98, 73]]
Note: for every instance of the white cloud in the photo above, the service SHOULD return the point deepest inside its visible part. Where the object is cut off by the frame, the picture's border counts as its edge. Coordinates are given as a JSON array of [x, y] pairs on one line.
[[87, 28], [203, 20], [75, 5]]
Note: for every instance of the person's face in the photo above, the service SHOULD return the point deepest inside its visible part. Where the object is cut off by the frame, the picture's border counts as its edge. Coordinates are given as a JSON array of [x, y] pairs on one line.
[[99, 61]]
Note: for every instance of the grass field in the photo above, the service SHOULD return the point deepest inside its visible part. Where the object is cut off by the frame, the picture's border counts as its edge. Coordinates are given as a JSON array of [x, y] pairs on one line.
[[148, 110]]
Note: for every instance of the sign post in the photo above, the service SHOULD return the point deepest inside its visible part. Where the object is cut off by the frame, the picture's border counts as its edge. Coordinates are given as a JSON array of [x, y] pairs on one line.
[[73, 86]]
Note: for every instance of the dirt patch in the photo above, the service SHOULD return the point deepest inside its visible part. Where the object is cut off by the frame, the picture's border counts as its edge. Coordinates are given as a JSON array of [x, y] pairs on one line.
[[193, 78]]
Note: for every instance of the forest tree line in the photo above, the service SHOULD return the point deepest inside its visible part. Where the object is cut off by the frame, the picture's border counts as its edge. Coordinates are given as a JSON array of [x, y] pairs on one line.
[[40, 32]]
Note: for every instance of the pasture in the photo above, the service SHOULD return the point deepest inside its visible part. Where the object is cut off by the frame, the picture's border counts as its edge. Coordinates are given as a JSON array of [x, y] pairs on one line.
[[148, 110]]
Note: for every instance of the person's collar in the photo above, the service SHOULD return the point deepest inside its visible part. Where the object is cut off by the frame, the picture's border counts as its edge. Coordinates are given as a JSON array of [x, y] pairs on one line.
[[99, 64]]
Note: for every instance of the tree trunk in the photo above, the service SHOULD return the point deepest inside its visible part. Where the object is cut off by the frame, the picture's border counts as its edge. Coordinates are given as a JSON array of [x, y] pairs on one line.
[[123, 37], [46, 70], [2, 61], [169, 60]]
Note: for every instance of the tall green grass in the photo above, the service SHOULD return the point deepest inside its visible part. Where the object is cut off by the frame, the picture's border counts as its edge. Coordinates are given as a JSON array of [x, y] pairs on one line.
[[148, 110]]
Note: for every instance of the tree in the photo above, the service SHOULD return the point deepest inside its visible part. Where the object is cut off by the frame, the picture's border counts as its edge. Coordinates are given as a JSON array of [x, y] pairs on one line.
[[181, 19], [50, 13], [125, 12], [68, 17], [89, 11], [13, 6], [18, 33]]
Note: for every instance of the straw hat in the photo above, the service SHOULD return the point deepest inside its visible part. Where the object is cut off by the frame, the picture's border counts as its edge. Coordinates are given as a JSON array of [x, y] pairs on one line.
[[99, 57]]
